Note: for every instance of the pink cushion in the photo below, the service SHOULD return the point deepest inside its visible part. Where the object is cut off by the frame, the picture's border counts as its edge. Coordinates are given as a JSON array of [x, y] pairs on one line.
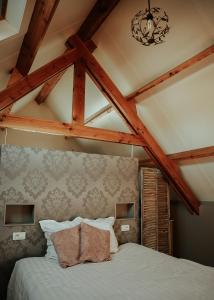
[[94, 244], [67, 245]]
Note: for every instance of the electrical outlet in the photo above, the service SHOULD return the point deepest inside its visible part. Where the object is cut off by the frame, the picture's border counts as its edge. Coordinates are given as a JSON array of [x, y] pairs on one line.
[[125, 227], [18, 236]]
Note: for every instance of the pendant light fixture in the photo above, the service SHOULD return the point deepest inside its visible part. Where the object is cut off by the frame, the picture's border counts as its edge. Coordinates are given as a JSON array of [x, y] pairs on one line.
[[150, 26]]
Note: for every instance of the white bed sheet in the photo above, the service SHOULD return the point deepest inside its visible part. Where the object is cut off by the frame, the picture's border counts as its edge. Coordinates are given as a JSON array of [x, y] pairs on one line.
[[134, 273]]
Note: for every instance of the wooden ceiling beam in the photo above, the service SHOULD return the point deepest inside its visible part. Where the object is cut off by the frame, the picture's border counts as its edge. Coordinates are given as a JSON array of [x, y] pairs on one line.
[[48, 87], [69, 130], [105, 110], [51, 83], [169, 74], [94, 20], [92, 23], [40, 20], [107, 135], [185, 156], [108, 97], [43, 10], [28, 83], [78, 103], [168, 167], [14, 76]]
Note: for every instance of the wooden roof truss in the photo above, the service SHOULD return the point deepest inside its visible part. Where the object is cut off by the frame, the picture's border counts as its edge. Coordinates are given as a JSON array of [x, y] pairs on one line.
[[79, 52]]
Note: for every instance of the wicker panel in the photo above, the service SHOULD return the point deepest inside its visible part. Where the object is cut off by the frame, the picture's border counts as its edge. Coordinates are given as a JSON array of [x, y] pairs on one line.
[[155, 210], [163, 214], [149, 208]]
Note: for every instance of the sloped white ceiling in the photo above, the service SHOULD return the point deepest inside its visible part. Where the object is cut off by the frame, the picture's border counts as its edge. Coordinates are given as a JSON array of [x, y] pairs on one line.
[[9, 48], [66, 21], [60, 99], [131, 64], [111, 121], [179, 113], [94, 99], [181, 116]]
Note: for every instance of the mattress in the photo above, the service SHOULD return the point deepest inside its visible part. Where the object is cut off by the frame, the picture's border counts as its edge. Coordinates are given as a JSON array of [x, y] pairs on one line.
[[135, 272]]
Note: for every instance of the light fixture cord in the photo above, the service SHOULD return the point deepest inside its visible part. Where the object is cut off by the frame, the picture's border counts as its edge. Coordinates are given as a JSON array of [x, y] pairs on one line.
[[149, 7], [5, 137]]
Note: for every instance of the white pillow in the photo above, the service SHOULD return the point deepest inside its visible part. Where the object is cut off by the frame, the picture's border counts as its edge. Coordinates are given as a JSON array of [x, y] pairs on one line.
[[51, 226], [105, 224]]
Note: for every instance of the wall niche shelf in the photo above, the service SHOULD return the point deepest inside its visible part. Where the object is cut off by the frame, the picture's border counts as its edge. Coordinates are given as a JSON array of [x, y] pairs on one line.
[[19, 214], [124, 211]]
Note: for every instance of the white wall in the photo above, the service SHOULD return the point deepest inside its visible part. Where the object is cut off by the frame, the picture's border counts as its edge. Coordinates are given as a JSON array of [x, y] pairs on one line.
[[40, 140]]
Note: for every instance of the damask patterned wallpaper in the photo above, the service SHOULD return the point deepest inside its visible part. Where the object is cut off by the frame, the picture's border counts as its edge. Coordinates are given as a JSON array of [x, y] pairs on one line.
[[62, 185]]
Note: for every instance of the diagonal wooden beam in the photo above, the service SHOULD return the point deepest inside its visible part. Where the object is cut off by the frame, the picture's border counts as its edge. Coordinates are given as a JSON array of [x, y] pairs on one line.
[[160, 79], [51, 83], [94, 20], [43, 10], [78, 103], [28, 83], [168, 167], [48, 87], [99, 86], [107, 135], [40, 20], [14, 76], [92, 23], [189, 156], [69, 130], [105, 110], [169, 74]]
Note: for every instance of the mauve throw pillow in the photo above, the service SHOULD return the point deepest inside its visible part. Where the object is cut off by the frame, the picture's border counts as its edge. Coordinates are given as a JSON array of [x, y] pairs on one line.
[[67, 245], [94, 244]]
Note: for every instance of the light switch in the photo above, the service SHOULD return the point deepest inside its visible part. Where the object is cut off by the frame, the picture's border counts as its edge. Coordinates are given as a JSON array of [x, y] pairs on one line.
[[18, 236], [125, 227]]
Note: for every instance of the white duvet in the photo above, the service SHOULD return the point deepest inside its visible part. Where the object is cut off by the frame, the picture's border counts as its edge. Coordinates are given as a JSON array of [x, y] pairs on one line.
[[134, 273]]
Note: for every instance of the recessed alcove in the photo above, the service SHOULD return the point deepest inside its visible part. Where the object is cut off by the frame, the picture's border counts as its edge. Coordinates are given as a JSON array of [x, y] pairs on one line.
[[125, 210], [19, 214]]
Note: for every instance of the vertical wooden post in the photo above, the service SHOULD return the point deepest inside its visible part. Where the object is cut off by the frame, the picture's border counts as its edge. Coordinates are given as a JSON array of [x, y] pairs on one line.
[[78, 104]]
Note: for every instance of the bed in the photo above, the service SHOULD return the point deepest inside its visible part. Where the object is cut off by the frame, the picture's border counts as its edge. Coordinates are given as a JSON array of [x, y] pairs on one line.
[[135, 272]]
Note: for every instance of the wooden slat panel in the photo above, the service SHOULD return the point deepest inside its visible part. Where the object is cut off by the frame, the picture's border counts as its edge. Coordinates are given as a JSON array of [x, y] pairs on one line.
[[40, 20], [149, 208], [155, 210], [163, 207], [167, 166]]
